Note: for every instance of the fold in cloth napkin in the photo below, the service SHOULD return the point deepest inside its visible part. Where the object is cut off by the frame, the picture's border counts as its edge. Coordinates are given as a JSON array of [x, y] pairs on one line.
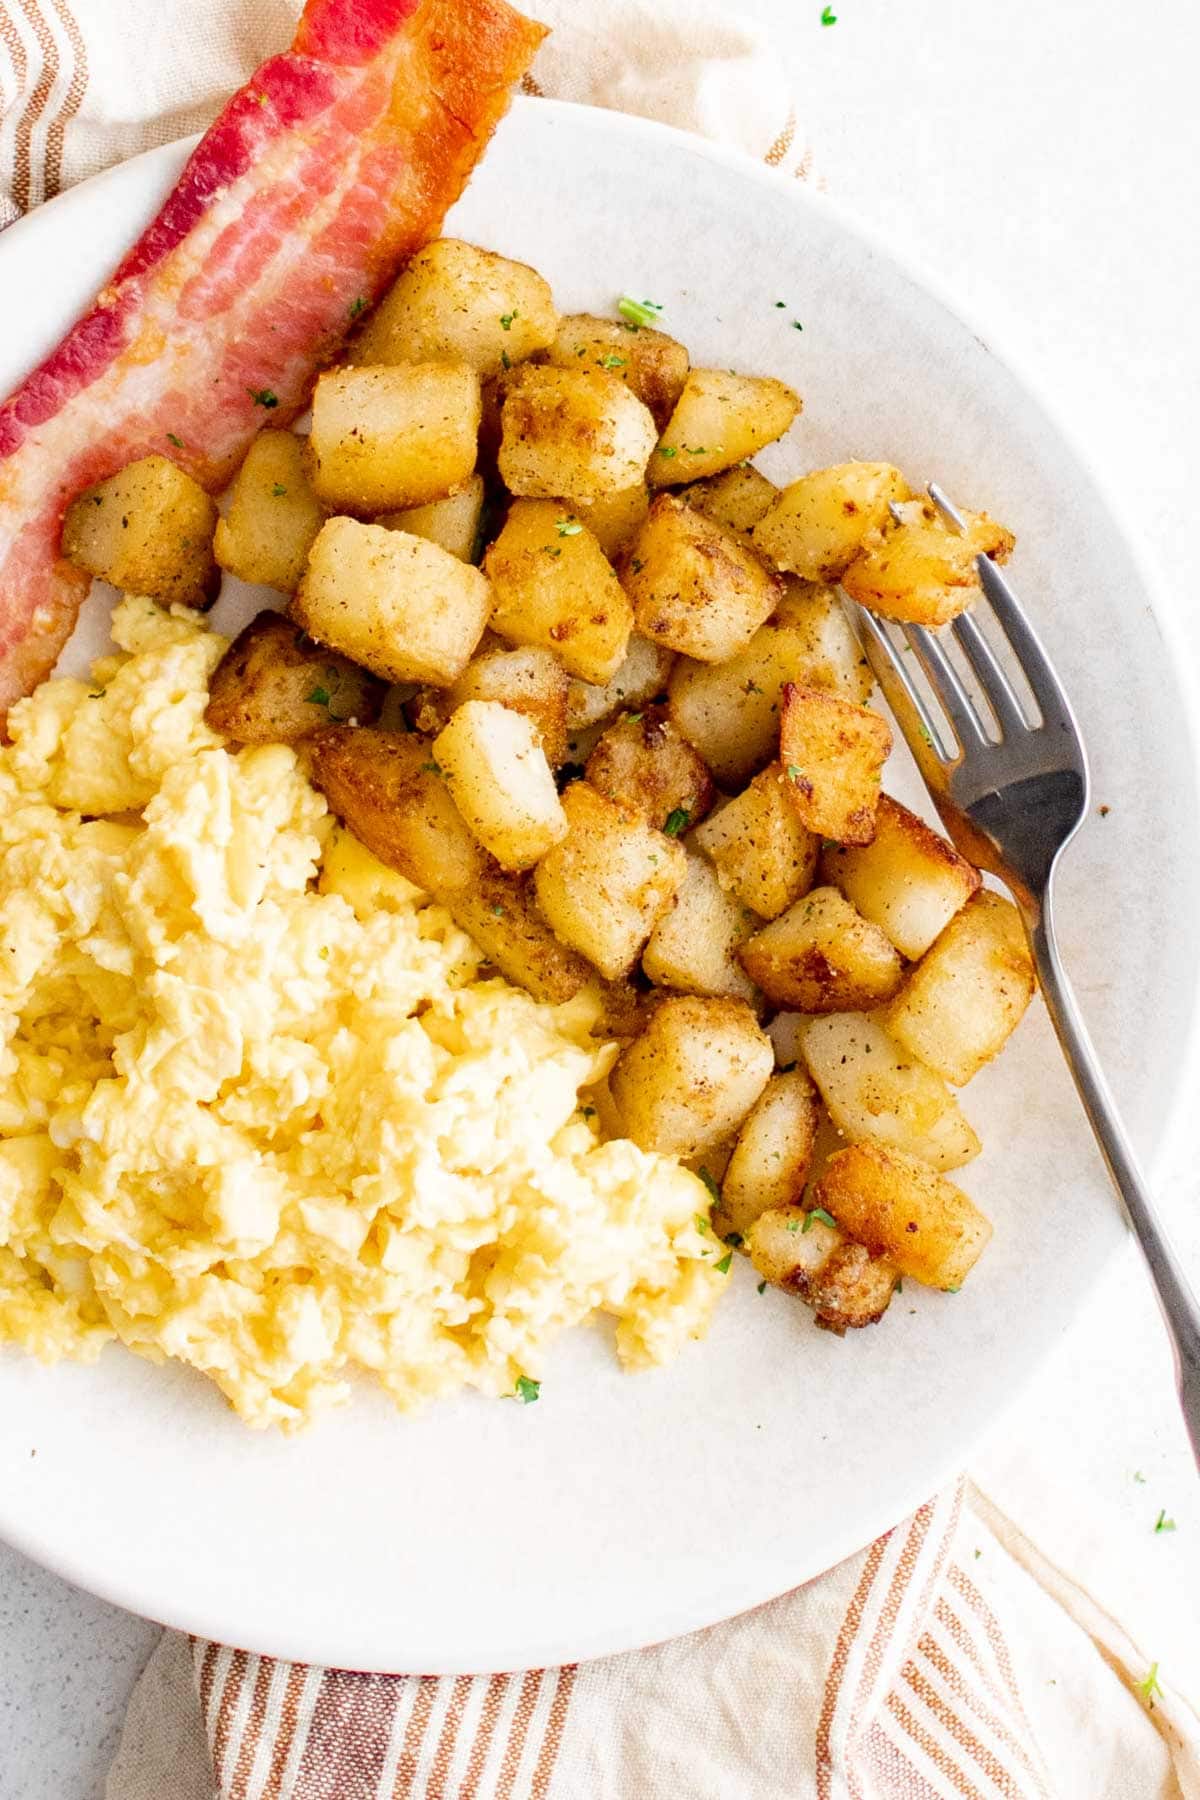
[[950, 1658]]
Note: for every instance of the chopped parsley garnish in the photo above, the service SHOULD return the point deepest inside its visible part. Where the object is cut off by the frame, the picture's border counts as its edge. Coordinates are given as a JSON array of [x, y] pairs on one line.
[[668, 450], [953, 1290], [637, 565], [505, 360], [568, 527], [498, 911], [527, 1391], [710, 1184], [793, 773], [752, 687], [726, 1263], [278, 490], [263, 397], [552, 549], [506, 319], [796, 325], [795, 1224], [734, 1239], [700, 1221], [638, 312], [899, 1287], [633, 717], [1162, 1523], [318, 697], [695, 450], [828, 16], [1148, 1687], [762, 1287], [431, 768], [1139, 1477], [177, 441], [781, 303], [356, 306], [818, 1212], [612, 362], [677, 821]]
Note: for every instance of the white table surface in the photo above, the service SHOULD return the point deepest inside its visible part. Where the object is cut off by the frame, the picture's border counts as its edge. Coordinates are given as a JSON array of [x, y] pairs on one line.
[[1040, 160]]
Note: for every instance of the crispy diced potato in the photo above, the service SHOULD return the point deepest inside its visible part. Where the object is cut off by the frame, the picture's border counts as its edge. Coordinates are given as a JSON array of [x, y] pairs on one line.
[[721, 419], [273, 685], [921, 569], [844, 1284], [643, 763], [822, 957], [553, 586], [651, 364], [273, 515], [968, 994], [875, 1089], [770, 1160], [738, 499], [457, 303], [579, 433], [908, 880], [642, 676], [605, 887], [526, 680], [403, 607], [624, 1010], [832, 754], [500, 781], [453, 522], [149, 530], [615, 519], [764, 857], [384, 438], [387, 788], [692, 1076], [500, 914], [817, 525], [834, 656], [694, 585], [692, 947], [898, 1206]]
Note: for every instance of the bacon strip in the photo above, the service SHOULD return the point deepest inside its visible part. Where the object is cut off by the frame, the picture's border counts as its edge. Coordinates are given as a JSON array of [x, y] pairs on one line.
[[330, 167]]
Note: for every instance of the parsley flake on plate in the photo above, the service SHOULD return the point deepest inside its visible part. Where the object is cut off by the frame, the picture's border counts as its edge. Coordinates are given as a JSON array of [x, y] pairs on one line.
[[526, 1390], [818, 1212], [711, 1185], [638, 312], [725, 1264], [263, 397], [1162, 1523], [677, 821]]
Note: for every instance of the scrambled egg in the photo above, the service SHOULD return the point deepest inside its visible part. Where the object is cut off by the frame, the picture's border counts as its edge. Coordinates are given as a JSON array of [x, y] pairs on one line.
[[258, 1111]]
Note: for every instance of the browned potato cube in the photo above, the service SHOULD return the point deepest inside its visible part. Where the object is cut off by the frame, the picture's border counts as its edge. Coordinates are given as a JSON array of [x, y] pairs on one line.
[[403, 607], [899, 1207], [908, 880], [921, 569], [579, 433], [604, 888], [738, 499], [764, 857], [453, 522], [501, 783], [642, 676], [643, 763], [383, 438], [720, 419], [817, 525], [149, 530], [692, 947], [387, 787], [615, 519], [273, 515], [651, 364], [968, 994], [822, 957], [694, 586], [457, 303], [526, 680], [832, 754], [844, 1284], [552, 586], [499, 912], [274, 685], [875, 1089], [770, 1160], [692, 1076], [835, 659]]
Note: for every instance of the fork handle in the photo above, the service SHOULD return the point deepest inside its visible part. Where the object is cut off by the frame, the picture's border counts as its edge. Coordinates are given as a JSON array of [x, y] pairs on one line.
[[1175, 1297]]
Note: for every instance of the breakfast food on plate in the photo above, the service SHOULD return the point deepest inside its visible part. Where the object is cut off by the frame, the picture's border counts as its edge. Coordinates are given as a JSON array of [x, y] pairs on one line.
[[509, 924]]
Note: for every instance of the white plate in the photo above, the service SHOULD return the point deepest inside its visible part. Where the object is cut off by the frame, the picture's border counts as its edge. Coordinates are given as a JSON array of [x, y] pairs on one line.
[[621, 1510]]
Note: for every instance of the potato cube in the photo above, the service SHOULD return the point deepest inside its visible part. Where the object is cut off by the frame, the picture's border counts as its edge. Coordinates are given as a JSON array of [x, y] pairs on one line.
[[273, 515], [579, 433], [457, 303], [500, 781], [721, 419], [149, 530], [641, 677], [384, 438], [770, 1160], [844, 1284], [875, 1089], [738, 499], [273, 685], [764, 857], [527, 681], [908, 880], [822, 957], [615, 519], [605, 887], [643, 763], [403, 607], [817, 525], [453, 522], [694, 586], [692, 1076], [500, 913], [692, 947], [921, 569], [832, 754], [553, 586], [835, 658], [898, 1206], [386, 786], [968, 994], [651, 364]]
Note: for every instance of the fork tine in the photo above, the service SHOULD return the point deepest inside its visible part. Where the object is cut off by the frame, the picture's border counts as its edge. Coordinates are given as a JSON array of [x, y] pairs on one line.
[[923, 733], [1010, 714], [959, 707], [1036, 666]]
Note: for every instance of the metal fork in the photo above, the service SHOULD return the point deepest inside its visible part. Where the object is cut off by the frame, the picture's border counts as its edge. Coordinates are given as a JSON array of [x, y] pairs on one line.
[[1012, 792]]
